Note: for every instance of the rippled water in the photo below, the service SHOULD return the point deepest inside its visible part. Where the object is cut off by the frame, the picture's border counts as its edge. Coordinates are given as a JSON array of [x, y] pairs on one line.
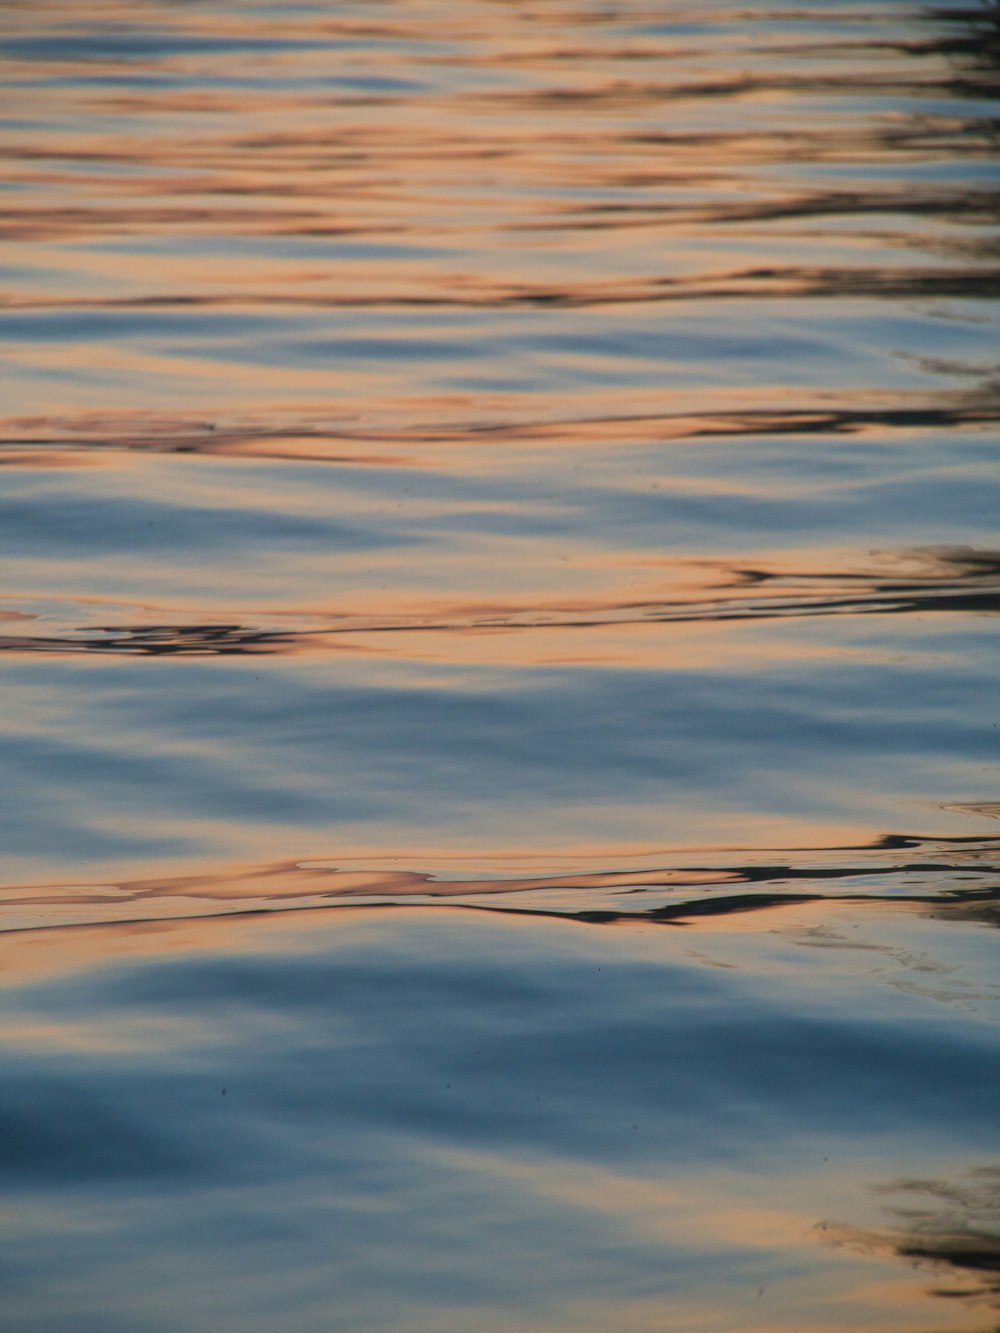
[[501, 720]]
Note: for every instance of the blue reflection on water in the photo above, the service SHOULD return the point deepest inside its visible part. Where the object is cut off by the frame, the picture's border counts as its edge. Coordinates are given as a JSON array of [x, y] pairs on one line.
[[540, 455], [402, 1122]]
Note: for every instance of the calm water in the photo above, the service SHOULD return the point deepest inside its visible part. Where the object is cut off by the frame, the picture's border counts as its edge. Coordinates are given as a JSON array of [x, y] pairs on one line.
[[500, 683]]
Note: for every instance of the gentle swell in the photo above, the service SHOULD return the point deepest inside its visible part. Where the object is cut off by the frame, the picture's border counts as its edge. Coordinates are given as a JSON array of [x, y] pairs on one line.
[[945, 581], [935, 873]]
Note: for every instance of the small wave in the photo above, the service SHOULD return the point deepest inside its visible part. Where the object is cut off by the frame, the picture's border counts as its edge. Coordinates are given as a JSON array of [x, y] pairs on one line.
[[27, 441], [955, 580], [940, 874]]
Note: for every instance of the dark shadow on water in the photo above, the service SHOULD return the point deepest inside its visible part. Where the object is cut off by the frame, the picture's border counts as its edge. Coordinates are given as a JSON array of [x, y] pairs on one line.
[[158, 641], [981, 905], [951, 1228]]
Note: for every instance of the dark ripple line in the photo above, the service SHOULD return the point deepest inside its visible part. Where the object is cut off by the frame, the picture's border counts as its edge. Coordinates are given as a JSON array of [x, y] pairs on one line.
[[158, 641], [972, 409], [235, 639], [970, 205], [340, 883], [985, 907], [966, 283], [985, 902]]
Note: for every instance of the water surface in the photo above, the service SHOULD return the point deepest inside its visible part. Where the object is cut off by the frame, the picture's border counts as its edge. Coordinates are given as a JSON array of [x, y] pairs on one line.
[[497, 624]]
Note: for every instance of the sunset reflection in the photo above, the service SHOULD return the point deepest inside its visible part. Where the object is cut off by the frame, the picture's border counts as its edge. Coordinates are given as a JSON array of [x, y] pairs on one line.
[[498, 642]]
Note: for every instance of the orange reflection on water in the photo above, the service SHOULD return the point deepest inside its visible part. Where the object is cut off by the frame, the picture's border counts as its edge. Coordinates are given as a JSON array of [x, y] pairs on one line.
[[713, 887], [641, 610]]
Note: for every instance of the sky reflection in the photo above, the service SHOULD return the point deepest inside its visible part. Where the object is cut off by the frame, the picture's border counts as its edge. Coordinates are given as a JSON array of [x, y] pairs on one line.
[[379, 1169], [500, 715]]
